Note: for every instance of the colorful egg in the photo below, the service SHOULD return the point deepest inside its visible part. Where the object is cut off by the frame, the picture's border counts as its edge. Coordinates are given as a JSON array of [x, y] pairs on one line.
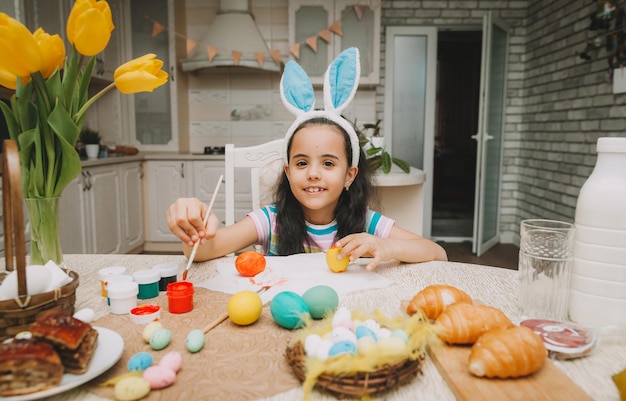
[[150, 329], [159, 376], [365, 345], [195, 340], [341, 315], [341, 348], [131, 389], [140, 361], [172, 360], [392, 346], [322, 300], [311, 343], [322, 349], [160, 339], [289, 310], [342, 334], [400, 334]]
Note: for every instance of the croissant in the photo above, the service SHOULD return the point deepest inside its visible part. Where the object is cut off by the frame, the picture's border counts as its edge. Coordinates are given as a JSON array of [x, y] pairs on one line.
[[463, 323], [432, 300], [507, 352]]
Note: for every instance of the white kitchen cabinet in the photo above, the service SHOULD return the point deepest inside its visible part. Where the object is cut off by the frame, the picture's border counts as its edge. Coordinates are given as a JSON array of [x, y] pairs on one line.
[[101, 210], [307, 18], [168, 180]]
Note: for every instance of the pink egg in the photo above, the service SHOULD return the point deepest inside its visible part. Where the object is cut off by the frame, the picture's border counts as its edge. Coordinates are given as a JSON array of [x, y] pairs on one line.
[[172, 360], [159, 376]]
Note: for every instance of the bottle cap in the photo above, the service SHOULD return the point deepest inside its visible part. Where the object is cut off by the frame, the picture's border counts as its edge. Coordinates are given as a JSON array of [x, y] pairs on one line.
[[147, 276]]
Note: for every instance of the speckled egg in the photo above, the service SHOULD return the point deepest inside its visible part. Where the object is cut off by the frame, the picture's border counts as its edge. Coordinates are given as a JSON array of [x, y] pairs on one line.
[[140, 361], [322, 300], [150, 329], [131, 389], [172, 360], [289, 310], [342, 347], [342, 334], [159, 376], [160, 339], [195, 340], [365, 345]]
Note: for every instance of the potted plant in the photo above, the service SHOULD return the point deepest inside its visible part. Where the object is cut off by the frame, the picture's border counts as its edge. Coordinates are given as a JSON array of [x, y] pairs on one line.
[[91, 139], [374, 148]]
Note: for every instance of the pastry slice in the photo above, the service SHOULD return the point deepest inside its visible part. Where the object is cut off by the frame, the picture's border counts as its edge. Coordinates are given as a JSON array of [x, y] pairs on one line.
[[28, 366]]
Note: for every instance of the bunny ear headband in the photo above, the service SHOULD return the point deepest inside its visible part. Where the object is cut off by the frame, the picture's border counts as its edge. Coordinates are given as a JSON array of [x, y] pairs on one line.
[[340, 84]]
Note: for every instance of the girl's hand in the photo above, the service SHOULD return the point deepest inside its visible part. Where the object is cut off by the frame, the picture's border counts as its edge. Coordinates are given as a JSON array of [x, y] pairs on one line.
[[185, 220], [363, 244]]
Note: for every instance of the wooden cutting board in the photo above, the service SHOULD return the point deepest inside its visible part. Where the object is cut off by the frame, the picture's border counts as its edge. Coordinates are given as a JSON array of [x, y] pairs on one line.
[[549, 383]]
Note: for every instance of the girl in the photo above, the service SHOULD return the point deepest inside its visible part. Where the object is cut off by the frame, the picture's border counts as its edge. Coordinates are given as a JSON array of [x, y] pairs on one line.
[[322, 197]]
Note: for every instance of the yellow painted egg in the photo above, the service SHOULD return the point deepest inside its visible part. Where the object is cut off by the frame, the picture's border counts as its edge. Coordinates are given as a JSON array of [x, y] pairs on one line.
[[391, 346], [150, 329], [131, 388], [334, 264], [245, 307]]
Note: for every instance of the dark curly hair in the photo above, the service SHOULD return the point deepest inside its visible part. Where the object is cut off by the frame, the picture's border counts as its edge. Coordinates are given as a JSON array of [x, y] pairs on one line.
[[350, 212]]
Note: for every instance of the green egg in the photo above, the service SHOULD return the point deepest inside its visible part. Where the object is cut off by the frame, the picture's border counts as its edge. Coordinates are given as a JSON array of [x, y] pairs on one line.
[[289, 310], [160, 339], [195, 340], [322, 300]]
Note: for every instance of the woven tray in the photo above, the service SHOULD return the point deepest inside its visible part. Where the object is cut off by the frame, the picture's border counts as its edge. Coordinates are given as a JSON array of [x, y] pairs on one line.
[[357, 384]]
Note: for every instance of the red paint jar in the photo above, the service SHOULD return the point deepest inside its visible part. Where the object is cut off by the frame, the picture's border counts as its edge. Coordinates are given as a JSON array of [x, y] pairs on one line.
[[180, 296]]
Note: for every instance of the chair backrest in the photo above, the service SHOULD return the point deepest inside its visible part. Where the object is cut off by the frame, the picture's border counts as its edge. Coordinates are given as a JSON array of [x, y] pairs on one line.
[[265, 162]]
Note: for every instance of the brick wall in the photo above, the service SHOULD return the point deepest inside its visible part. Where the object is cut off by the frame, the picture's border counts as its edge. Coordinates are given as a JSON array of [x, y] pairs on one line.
[[557, 104]]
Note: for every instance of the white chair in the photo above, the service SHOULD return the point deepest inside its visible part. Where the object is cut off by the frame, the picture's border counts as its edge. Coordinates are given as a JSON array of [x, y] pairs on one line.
[[265, 162]]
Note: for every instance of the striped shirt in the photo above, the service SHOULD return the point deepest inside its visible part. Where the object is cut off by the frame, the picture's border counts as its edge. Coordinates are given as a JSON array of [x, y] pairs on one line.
[[321, 237]]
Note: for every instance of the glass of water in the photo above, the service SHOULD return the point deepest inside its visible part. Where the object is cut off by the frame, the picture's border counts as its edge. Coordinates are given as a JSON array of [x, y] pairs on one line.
[[545, 267]]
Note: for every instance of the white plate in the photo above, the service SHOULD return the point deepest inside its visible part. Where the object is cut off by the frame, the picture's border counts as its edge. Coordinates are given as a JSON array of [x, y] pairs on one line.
[[109, 351]]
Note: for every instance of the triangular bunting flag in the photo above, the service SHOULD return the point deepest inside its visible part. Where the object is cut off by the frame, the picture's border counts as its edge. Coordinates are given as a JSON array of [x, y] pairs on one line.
[[211, 51], [157, 28], [295, 50], [312, 42], [325, 34], [275, 56], [260, 58], [237, 56], [191, 44], [358, 10], [336, 28]]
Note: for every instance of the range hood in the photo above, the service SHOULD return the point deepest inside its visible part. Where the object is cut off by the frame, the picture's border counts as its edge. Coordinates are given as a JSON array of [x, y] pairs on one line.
[[233, 29]]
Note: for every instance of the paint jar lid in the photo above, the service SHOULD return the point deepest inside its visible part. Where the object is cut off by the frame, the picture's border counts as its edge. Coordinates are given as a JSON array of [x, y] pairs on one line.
[[167, 269], [122, 289], [179, 289], [145, 314], [107, 272], [147, 276]]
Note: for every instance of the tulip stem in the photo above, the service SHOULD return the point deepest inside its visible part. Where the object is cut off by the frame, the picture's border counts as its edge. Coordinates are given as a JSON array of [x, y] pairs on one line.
[[91, 101]]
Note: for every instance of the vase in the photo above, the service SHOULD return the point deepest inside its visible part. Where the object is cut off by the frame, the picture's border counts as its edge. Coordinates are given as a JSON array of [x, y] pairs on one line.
[[92, 150], [45, 243]]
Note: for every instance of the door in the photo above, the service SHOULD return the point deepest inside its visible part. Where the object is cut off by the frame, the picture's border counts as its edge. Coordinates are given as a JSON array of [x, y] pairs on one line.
[[489, 135], [411, 77]]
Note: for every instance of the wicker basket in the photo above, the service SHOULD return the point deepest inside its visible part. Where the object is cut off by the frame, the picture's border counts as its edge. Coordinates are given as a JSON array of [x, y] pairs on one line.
[[17, 314], [357, 384]]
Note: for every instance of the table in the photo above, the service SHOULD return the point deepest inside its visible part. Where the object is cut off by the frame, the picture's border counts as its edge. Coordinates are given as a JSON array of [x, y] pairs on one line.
[[491, 285]]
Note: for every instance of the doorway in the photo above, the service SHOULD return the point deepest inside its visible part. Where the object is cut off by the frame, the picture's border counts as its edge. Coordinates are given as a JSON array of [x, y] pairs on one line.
[[456, 121]]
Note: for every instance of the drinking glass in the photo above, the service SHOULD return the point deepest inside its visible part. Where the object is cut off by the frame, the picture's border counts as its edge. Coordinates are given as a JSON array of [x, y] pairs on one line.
[[545, 267]]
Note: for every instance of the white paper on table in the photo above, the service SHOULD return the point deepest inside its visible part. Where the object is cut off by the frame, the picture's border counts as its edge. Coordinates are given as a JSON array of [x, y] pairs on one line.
[[295, 273]]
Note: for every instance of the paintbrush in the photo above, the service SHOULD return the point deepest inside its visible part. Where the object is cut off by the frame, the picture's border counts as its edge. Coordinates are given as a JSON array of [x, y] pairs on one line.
[[204, 223]]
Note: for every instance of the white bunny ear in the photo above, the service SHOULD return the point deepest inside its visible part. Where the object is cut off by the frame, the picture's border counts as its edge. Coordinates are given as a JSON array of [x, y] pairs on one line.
[[296, 89], [342, 80]]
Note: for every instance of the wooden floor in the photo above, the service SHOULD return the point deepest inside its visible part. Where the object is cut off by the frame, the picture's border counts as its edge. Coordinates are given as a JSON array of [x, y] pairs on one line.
[[501, 255]]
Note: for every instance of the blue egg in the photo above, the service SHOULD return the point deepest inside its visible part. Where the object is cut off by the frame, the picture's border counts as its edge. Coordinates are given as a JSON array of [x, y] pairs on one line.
[[342, 347], [140, 361], [289, 310], [160, 339], [364, 331], [195, 340], [322, 300]]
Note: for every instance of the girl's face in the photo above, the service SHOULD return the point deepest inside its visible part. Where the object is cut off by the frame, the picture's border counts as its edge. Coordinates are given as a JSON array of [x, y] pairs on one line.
[[318, 170]]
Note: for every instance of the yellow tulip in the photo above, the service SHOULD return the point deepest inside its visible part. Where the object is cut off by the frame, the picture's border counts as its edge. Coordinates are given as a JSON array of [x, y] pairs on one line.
[[52, 50], [142, 74], [20, 52], [89, 26], [9, 80]]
